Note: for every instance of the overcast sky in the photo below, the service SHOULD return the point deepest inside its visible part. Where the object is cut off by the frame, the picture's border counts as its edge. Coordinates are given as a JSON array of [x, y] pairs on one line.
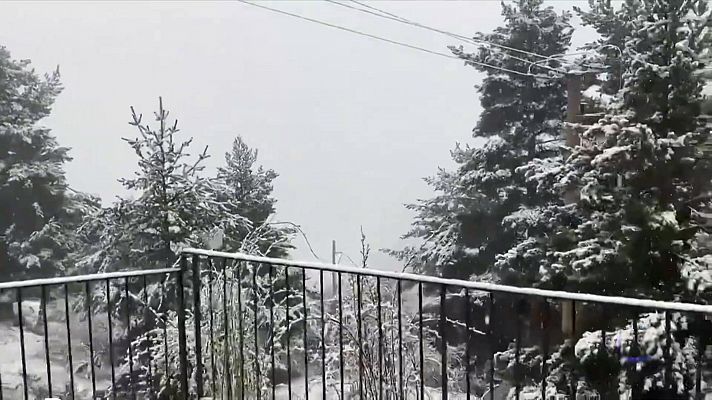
[[350, 124]]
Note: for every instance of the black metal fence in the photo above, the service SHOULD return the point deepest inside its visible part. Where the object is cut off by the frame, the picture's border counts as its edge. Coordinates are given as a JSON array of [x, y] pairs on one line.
[[389, 335], [233, 326], [86, 336]]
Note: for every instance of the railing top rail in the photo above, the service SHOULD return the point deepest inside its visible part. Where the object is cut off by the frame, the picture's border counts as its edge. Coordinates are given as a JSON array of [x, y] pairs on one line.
[[483, 286], [84, 278]]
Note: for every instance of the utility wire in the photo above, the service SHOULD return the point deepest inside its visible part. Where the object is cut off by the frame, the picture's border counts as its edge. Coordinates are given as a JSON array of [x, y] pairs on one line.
[[377, 9], [558, 57], [342, 254], [343, 28], [455, 35], [465, 39], [395, 42]]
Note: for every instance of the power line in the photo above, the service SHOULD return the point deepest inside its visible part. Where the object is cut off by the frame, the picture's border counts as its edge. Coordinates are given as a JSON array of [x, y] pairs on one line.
[[343, 254], [461, 38], [377, 9], [343, 28], [558, 57], [395, 42], [454, 35]]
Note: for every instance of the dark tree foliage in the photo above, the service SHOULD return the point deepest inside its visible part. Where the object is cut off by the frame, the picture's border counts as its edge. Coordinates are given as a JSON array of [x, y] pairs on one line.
[[38, 213]]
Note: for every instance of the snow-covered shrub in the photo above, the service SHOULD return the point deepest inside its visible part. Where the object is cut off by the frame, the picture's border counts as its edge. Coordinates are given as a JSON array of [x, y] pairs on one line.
[[615, 363]]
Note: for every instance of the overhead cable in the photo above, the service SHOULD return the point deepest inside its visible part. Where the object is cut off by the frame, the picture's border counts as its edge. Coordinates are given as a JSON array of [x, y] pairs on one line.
[[391, 41]]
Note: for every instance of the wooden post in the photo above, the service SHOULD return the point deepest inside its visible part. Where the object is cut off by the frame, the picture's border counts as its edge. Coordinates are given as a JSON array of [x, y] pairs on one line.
[[334, 275], [568, 318], [573, 107]]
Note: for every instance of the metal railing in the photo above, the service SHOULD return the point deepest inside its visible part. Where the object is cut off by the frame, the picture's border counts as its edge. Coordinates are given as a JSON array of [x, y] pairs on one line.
[[235, 326], [100, 316], [390, 335]]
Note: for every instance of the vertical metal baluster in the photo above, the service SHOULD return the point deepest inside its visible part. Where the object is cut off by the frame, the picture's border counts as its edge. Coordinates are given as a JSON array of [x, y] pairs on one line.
[[667, 358], [242, 337], [341, 337], [306, 355], [443, 340], [490, 340], [636, 389], [87, 292], [360, 340], [271, 327], [128, 335], [69, 339], [400, 339], [1, 396], [255, 297], [544, 345], [573, 318], [182, 343], [22, 343], [226, 340], [700, 352], [602, 345], [323, 342], [164, 320], [420, 327], [46, 340], [517, 350], [197, 317], [574, 378], [289, 336], [211, 327], [146, 317], [468, 338], [111, 338], [380, 338]]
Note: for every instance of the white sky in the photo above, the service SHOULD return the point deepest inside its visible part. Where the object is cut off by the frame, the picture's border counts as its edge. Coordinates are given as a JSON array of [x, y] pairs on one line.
[[350, 124]]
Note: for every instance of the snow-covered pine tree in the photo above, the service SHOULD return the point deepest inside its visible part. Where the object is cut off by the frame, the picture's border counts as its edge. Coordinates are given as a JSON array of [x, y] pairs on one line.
[[170, 208], [638, 172], [640, 186], [242, 193], [172, 203], [244, 189], [461, 228], [175, 207], [37, 213], [609, 20]]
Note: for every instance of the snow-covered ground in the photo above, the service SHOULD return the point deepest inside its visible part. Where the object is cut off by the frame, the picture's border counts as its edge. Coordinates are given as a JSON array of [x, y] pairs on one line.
[[10, 353], [315, 392]]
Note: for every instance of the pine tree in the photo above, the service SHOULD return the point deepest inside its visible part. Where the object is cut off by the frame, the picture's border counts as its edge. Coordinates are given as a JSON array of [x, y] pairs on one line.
[[244, 191], [172, 207], [462, 228], [175, 207], [638, 173], [638, 185], [37, 213]]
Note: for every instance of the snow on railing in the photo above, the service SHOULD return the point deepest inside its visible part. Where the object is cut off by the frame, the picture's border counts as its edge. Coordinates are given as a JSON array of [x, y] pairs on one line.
[[85, 278], [374, 337], [483, 286], [227, 329]]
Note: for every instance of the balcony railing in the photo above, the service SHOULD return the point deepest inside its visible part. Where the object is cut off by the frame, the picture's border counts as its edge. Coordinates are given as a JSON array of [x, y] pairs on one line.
[[235, 326]]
